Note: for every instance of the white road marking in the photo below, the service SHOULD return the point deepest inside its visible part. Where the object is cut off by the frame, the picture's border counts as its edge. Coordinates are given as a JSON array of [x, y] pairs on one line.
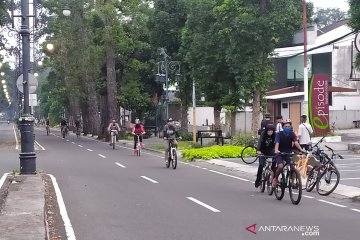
[[204, 168], [90, 150], [68, 227], [2, 180], [101, 155], [335, 204], [357, 170], [203, 204], [80, 145], [149, 179], [120, 165], [346, 164], [224, 174], [342, 179], [72, 142], [16, 139], [356, 210], [40, 145], [307, 196], [67, 140]]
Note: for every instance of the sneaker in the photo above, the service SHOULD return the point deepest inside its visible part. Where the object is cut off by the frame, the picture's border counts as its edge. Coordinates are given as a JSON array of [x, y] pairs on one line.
[[257, 184], [274, 182]]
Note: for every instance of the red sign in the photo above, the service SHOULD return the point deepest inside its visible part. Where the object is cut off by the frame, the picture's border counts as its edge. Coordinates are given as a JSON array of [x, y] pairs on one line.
[[319, 104]]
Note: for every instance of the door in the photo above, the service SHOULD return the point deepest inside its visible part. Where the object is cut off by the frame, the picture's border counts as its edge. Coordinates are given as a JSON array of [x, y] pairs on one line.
[[295, 113]]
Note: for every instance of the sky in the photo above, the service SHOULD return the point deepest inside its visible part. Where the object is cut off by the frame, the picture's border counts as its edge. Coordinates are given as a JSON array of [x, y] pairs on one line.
[[342, 4]]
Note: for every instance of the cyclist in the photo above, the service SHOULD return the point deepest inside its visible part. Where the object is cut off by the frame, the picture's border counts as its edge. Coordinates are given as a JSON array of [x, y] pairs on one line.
[[77, 125], [169, 133], [266, 148], [63, 125], [47, 125], [138, 129], [284, 143], [265, 122], [113, 126]]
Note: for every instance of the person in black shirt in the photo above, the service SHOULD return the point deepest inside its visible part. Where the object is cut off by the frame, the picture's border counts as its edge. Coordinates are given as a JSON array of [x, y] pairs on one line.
[[265, 122], [284, 143], [169, 133], [266, 148]]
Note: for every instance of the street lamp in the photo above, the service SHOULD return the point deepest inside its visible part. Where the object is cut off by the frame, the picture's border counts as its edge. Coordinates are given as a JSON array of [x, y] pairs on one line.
[[3, 81], [50, 46], [164, 67], [2, 74], [66, 11]]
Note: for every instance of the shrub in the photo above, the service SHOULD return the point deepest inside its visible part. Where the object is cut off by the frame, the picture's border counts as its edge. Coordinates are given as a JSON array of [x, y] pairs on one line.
[[215, 152], [242, 139], [186, 136]]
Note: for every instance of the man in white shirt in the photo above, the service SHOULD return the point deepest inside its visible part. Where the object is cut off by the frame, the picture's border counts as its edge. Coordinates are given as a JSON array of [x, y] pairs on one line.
[[304, 133], [279, 122]]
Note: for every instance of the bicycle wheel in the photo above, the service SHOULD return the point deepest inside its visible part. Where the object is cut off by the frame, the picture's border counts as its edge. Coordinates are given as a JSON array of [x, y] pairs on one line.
[[328, 181], [269, 187], [174, 160], [311, 179], [263, 181], [248, 155], [280, 187], [138, 149], [295, 188]]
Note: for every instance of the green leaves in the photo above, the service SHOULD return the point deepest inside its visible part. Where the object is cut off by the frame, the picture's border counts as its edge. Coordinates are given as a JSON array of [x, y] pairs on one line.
[[214, 152]]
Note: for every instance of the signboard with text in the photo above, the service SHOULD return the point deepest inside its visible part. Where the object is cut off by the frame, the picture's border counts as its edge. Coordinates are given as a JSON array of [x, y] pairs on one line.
[[319, 104]]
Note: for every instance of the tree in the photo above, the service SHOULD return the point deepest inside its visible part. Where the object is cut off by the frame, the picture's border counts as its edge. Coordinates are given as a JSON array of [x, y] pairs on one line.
[[354, 23], [325, 16]]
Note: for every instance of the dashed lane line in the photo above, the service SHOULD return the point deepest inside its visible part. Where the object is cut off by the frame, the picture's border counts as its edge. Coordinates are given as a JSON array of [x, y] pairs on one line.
[[307, 196], [101, 155], [204, 204], [344, 179], [72, 142], [331, 203], [120, 165], [90, 150], [149, 179], [80, 146], [224, 174], [356, 210]]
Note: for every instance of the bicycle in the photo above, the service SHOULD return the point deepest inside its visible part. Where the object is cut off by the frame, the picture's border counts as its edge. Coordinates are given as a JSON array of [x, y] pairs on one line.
[[172, 156], [248, 154], [78, 132], [47, 130], [289, 178], [138, 145], [113, 138], [266, 176], [64, 131], [324, 176]]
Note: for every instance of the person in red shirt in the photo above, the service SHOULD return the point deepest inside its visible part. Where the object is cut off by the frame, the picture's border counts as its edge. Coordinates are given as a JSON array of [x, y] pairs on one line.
[[138, 129]]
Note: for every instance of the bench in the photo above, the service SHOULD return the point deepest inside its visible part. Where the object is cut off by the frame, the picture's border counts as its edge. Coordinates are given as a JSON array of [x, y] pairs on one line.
[[357, 123], [203, 134], [150, 129]]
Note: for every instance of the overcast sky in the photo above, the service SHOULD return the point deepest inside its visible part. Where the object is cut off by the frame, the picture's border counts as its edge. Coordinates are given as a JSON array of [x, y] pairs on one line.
[[342, 4]]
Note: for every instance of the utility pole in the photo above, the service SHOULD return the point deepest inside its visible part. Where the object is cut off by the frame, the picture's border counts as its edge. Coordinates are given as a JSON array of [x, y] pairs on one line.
[[194, 112], [306, 78], [27, 155]]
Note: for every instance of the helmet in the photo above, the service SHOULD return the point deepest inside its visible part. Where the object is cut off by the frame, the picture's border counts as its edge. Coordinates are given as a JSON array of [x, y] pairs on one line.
[[170, 120], [270, 126], [287, 121]]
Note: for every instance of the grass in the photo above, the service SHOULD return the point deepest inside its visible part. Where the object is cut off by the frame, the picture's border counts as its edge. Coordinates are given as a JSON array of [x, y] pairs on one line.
[[182, 145]]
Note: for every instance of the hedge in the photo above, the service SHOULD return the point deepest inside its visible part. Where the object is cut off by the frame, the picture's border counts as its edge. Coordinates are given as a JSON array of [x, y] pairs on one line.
[[212, 152]]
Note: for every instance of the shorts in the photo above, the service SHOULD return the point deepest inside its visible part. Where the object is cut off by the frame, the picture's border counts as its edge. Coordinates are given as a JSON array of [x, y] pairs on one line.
[[280, 159]]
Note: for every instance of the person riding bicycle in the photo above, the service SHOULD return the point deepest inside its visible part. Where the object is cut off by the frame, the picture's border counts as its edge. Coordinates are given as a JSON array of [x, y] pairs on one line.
[[264, 123], [114, 126], [47, 123], [77, 125], [265, 148], [138, 129], [284, 143], [169, 133], [63, 125]]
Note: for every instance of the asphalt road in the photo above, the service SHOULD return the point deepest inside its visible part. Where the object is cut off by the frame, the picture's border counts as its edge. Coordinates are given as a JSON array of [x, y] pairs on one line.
[[110, 194]]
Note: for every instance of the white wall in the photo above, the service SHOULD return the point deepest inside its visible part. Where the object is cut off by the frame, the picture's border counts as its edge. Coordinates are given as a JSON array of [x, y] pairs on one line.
[[243, 121], [344, 119], [202, 113]]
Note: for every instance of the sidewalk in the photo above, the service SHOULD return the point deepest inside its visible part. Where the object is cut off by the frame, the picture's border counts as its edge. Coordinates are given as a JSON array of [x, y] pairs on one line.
[[22, 214]]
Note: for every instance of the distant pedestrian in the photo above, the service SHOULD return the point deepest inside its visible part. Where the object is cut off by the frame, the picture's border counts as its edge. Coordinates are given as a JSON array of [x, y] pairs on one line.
[[279, 123], [304, 133], [264, 123]]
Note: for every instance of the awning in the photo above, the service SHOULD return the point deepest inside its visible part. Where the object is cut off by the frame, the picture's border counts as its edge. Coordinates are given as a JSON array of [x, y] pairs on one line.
[[284, 95]]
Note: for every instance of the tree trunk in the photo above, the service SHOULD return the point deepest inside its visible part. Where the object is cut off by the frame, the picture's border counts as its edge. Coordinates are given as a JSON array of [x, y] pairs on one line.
[[85, 119], [217, 120], [111, 84], [184, 118], [104, 117], [256, 104]]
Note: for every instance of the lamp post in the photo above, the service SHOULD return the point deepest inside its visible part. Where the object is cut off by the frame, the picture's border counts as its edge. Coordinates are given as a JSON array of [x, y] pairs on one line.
[[164, 68], [306, 78]]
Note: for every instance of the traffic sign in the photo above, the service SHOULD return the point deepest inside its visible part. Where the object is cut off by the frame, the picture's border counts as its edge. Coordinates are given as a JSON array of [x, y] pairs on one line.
[[33, 83]]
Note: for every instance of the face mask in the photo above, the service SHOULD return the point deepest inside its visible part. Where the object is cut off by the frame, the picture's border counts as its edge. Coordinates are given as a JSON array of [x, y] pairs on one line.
[[287, 130]]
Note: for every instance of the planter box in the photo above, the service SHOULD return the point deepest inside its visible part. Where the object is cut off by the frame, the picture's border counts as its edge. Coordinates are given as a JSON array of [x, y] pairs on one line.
[[327, 139]]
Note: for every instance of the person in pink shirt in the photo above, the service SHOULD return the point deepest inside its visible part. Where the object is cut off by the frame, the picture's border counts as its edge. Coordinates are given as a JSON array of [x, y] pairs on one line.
[[138, 129]]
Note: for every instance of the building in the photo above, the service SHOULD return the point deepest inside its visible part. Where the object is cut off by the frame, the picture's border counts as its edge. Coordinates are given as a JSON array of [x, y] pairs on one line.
[[331, 51]]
